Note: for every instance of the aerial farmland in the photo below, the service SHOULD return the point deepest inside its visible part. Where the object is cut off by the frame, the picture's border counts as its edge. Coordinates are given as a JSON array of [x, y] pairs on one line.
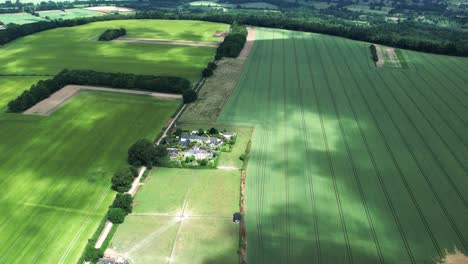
[[351, 163], [233, 132]]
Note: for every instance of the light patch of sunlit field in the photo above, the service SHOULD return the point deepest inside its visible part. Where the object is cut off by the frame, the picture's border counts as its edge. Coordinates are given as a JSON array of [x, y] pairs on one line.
[[76, 47], [182, 216]]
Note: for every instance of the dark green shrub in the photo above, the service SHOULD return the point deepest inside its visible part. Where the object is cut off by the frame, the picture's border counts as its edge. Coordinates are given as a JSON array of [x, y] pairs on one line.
[[122, 180], [145, 153], [207, 72], [123, 201], [111, 34], [212, 66], [189, 96], [116, 215], [92, 254]]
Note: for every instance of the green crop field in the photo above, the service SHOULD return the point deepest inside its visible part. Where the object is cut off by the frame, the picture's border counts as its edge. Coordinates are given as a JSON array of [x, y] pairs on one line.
[[351, 163], [56, 170], [20, 18], [76, 48], [11, 87], [69, 13], [182, 216]]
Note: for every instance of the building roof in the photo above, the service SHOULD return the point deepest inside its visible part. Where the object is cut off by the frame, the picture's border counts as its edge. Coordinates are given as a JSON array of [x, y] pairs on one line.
[[2, 27], [199, 138]]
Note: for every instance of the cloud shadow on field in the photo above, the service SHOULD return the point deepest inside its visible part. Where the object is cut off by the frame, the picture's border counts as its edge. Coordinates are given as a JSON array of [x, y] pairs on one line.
[[282, 93]]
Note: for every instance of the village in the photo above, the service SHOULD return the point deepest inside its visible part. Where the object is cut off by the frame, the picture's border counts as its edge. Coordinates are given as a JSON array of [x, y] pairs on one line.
[[197, 148]]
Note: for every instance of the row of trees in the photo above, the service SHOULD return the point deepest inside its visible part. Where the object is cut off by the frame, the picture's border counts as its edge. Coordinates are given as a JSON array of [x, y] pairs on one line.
[[111, 34], [233, 42], [44, 89], [403, 35]]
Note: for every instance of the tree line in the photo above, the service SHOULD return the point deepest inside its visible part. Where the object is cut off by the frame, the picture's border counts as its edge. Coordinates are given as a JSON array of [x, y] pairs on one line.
[[405, 35], [233, 42], [44, 88], [111, 34]]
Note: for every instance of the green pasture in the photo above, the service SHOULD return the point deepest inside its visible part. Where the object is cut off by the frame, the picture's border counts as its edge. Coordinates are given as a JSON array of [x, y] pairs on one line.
[[183, 216], [351, 163], [11, 87], [173, 29], [20, 18], [56, 170], [76, 48]]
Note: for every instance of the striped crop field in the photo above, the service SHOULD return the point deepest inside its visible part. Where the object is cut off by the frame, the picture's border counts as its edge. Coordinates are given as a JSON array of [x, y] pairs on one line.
[[351, 163]]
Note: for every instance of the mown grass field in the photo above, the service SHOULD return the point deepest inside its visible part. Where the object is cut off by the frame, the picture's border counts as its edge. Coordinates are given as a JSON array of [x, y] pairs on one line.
[[158, 232], [76, 48], [351, 163], [56, 170]]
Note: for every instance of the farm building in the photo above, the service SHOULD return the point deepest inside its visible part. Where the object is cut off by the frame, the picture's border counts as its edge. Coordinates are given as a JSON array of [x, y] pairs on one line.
[[199, 153], [186, 139]]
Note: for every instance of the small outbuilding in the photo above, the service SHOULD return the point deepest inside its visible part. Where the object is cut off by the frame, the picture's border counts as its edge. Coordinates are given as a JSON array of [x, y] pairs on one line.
[[236, 217]]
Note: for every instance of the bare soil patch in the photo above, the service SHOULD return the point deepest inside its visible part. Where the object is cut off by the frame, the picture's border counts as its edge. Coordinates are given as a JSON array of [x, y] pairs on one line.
[[109, 9], [387, 57], [62, 96], [220, 34], [455, 257], [248, 45], [168, 42]]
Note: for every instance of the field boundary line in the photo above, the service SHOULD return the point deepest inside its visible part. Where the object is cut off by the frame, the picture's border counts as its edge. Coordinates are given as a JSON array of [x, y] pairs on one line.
[[349, 154], [399, 170], [55, 101], [376, 169], [418, 164]]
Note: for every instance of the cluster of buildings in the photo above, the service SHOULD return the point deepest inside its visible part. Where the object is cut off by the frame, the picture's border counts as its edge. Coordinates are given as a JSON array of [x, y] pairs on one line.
[[204, 147]]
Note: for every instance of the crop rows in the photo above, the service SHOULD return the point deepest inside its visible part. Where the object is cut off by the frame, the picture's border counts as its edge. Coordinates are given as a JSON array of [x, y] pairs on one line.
[[351, 163]]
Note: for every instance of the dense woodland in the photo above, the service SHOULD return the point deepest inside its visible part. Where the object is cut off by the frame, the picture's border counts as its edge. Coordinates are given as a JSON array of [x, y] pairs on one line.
[[408, 35], [44, 89]]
